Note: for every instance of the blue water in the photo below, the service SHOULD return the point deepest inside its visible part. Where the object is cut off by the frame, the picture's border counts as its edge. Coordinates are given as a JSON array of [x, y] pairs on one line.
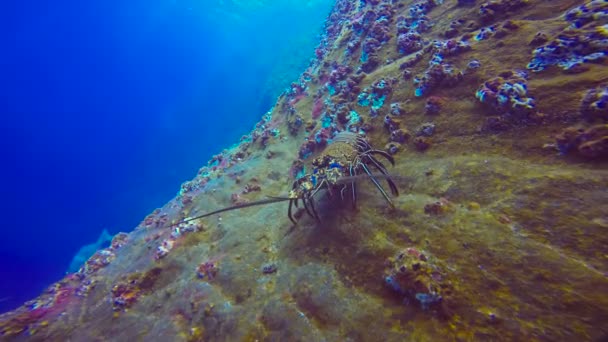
[[108, 106]]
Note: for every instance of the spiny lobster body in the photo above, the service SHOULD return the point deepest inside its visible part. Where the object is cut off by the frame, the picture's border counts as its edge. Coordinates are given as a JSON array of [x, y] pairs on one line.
[[348, 156], [345, 160]]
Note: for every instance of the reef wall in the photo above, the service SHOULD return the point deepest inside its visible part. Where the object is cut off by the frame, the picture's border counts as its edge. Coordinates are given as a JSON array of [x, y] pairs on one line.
[[495, 113]]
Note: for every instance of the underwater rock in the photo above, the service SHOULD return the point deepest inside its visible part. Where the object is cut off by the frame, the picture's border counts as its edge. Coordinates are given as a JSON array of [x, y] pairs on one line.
[[438, 74], [391, 124], [409, 42], [508, 95], [269, 268], [438, 207], [539, 38], [427, 129], [396, 109], [584, 41], [493, 9], [422, 143], [207, 270], [294, 124], [466, 2], [414, 276], [128, 292], [400, 135], [591, 142], [87, 251], [516, 254], [433, 105], [595, 104], [377, 95], [393, 147]]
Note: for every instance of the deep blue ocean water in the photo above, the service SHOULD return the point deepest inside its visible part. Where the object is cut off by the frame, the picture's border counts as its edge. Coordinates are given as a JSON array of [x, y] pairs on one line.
[[108, 106]]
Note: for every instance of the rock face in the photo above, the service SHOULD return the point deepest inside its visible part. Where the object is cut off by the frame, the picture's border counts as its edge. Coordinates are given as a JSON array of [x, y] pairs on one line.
[[499, 231]]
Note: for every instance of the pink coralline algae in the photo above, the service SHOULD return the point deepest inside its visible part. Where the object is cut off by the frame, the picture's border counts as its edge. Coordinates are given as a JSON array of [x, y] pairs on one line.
[[58, 297], [307, 148], [55, 299], [297, 91], [317, 108], [323, 135]]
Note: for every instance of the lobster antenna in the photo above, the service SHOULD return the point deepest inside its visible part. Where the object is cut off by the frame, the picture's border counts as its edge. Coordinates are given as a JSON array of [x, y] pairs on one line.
[[234, 207], [271, 199]]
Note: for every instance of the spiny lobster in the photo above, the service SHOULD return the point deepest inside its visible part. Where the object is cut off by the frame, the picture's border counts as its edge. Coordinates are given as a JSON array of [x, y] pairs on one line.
[[344, 160]]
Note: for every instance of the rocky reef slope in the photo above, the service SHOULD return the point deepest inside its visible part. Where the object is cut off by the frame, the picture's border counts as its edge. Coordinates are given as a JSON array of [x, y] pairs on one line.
[[496, 114]]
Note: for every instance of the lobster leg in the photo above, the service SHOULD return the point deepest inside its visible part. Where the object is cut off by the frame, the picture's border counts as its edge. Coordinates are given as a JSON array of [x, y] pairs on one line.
[[352, 172], [385, 155], [342, 192], [323, 182], [383, 170], [375, 181], [312, 206], [289, 212], [306, 207]]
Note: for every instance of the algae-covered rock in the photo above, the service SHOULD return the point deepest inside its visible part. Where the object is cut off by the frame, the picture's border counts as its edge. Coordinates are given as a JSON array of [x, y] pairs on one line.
[[498, 232]]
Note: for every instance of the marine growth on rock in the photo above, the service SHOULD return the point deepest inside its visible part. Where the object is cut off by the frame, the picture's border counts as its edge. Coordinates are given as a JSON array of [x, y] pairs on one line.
[[495, 115]]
